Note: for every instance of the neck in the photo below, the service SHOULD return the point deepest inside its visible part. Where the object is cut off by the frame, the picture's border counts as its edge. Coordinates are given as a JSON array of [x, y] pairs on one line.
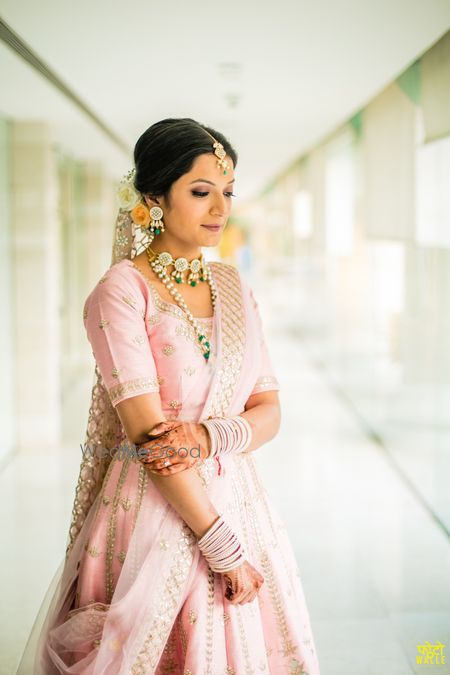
[[176, 249]]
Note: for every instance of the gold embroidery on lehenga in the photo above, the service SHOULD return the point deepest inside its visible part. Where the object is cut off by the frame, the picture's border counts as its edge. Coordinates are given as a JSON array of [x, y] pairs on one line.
[[92, 550], [164, 544], [296, 668], [126, 503], [139, 385], [168, 596], [189, 370], [174, 403], [153, 319], [105, 499], [244, 641], [210, 623], [260, 496], [264, 382], [192, 616], [168, 662], [168, 350], [103, 323], [233, 336], [121, 556], [182, 634], [129, 300], [289, 648], [239, 504], [261, 492], [141, 488], [139, 339], [205, 470], [266, 564], [111, 531]]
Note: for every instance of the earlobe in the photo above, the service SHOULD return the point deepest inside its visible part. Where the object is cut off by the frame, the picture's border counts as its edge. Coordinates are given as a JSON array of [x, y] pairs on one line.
[[151, 202]]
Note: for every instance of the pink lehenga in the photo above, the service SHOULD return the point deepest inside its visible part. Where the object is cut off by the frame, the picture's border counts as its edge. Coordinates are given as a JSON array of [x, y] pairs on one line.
[[134, 594]]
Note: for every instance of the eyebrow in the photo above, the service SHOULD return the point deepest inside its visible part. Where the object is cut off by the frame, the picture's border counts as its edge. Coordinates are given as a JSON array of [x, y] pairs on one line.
[[203, 180]]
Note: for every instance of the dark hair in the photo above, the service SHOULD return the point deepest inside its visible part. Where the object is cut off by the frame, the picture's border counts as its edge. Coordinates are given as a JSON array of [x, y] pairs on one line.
[[167, 150]]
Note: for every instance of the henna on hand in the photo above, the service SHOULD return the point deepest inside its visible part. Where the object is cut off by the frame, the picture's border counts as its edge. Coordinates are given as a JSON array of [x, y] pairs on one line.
[[176, 436]]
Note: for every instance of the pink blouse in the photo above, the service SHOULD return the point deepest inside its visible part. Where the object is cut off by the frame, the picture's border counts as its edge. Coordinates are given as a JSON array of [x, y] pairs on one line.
[[142, 344]]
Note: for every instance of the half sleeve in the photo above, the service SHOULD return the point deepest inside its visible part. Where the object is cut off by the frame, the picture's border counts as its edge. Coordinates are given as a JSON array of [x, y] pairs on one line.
[[114, 319], [267, 379]]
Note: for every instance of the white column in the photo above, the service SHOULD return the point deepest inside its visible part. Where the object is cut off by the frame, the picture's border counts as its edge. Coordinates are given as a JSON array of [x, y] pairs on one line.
[[35, 249], [7, 399]]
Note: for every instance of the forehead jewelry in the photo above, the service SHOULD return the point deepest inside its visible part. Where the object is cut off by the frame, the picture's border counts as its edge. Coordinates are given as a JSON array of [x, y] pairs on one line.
[[219, 152]]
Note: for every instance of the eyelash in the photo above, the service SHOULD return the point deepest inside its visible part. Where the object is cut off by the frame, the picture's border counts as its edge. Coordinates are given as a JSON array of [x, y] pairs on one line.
[[197, 193]]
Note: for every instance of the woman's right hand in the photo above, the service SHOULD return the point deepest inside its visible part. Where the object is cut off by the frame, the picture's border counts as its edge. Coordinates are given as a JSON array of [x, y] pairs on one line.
[[243, 583]]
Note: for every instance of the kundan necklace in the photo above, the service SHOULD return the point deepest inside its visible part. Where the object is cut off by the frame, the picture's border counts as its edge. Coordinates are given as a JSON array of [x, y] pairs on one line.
[[159, 263]]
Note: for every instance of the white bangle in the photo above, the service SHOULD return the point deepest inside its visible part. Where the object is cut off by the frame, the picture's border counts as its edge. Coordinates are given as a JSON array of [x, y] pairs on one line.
[[228, 435], [221, 547]]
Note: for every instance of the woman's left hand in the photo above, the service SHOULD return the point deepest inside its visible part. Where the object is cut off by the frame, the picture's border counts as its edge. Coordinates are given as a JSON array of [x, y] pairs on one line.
[[177, 449]]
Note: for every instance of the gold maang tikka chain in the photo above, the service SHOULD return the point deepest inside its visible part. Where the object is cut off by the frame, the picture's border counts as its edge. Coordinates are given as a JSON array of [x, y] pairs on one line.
[[219, 152]]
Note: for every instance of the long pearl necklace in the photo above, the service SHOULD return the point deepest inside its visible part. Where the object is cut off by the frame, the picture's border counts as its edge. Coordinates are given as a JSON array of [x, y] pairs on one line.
[[160, 261]]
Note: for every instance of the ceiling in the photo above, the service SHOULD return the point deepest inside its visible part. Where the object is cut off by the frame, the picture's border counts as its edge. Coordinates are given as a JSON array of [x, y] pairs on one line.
[[273, 77]]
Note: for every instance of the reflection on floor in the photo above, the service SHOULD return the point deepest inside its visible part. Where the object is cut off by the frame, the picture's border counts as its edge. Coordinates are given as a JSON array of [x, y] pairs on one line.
[[374, 565]]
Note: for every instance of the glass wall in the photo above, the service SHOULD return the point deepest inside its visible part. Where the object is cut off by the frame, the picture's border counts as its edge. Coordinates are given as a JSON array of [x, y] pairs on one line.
[[368, 269]]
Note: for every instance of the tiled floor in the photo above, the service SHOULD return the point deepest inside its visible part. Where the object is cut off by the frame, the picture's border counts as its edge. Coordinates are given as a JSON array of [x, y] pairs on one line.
[[375, 567]]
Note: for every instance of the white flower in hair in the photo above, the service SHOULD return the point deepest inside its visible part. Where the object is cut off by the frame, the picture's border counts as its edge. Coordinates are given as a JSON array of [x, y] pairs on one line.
[[127, 196]]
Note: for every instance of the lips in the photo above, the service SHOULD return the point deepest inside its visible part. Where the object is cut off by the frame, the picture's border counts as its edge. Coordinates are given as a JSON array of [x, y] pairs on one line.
[[213, 228]]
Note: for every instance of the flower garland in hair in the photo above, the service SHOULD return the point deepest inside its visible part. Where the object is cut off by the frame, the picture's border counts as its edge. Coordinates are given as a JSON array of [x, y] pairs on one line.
[[131, 200]]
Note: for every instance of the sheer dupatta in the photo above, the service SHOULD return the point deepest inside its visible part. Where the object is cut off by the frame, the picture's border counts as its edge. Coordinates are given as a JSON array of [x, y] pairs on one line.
[[129, 634]]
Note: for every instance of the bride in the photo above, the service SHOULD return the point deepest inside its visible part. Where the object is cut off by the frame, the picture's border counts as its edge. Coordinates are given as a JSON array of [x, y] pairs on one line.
[[176, 561]]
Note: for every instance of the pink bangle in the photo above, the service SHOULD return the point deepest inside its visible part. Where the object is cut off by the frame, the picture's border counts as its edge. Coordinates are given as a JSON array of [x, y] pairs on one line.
[[228, 435], [221, 547]]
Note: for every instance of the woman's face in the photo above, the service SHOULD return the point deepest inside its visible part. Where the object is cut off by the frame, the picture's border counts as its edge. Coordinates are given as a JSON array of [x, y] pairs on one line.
[[200, 197]]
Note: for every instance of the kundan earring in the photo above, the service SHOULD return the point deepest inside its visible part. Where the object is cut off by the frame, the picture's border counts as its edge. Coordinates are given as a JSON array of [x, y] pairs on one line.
[[156, 226]]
